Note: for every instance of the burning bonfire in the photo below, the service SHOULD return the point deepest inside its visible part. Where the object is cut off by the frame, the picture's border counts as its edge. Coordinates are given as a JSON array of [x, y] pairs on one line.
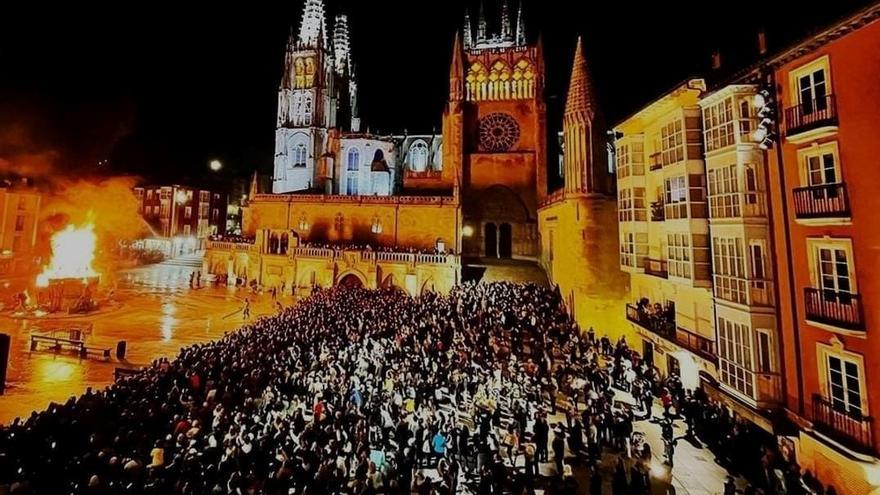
[[69, 279]]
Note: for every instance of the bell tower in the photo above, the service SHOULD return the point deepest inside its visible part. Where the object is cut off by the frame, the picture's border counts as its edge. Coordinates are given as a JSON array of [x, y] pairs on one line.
[[495, 135]]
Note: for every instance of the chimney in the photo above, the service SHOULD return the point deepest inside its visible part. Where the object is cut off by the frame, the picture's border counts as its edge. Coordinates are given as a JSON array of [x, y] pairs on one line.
[[716, 60], [762, 42]]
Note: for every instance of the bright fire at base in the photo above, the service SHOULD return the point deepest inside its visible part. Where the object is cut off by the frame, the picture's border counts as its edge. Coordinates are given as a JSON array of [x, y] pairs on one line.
[[73, 250]]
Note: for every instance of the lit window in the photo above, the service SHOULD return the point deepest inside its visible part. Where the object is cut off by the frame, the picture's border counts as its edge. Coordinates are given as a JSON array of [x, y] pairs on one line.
[[735, 356], [678, 253], [354, 159], [299, 155], [718, 125], [419, 156]]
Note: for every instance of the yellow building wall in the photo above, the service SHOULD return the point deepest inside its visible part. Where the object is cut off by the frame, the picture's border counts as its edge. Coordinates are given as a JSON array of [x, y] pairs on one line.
[[847, 474], [405, 221], [579, 252]]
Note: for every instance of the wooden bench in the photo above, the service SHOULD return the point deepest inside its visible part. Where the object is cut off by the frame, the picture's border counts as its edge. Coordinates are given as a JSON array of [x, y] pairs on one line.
[[120, 373], [56, 343], [104, 353]]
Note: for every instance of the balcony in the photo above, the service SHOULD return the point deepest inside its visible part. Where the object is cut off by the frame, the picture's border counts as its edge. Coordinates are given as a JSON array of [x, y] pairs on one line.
[[838, 309], [822, 201], [851, 429], [657, 268], [658, 214], [817, 115], [662, 325]]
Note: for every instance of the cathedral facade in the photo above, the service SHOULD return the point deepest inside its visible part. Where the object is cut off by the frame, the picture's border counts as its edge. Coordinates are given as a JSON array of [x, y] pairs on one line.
[[475, 191]]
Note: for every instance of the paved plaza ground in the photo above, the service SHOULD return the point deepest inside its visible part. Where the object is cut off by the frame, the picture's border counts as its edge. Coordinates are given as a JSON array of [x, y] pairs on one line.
[[157, 314]]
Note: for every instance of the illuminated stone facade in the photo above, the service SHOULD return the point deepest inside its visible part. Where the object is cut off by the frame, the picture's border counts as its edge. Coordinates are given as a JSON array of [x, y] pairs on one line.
[[579, 222]]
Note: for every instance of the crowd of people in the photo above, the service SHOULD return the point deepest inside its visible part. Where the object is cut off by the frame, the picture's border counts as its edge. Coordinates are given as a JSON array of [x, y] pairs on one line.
[[490, 389], [376, 248]]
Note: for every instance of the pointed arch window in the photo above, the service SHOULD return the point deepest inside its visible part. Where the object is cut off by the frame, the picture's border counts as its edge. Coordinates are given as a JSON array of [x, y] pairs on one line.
[[354, 159], [419, 156], [299, 155]]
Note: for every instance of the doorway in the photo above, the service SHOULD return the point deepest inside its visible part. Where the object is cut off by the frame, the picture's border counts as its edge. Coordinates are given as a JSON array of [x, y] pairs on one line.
[[505, 241], [490, 238]]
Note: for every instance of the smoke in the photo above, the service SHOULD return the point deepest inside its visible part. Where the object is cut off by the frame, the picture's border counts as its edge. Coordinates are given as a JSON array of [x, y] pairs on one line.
[[19, 156], [109, 203]]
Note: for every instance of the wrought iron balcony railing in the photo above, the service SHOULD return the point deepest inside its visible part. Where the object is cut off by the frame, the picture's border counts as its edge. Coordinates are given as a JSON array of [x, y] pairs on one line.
[[852, 429], [822, 201], [839, 309], [810, 114]]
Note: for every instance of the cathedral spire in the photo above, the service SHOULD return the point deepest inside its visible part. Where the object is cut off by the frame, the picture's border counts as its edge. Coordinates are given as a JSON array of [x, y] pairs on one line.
[[506, 26], [287, 77], [312, 30], [580, 88], [456, 71], [481, 28], [468, 36], [520, 26], [584, 136], [341, 45]]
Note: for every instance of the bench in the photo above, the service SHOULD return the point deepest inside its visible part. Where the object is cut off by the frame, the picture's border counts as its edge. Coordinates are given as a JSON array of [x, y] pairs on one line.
[[120, 373], [85, 351], [56, 343]]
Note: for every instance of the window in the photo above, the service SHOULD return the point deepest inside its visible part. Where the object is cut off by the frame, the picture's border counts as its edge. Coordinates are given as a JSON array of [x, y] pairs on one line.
[[676, 198], [820, 169], [299, 156], [724, 193], [204, 196], [834, 270], [627, 249], [203, 210], [751, 185], [155, 211], [718, 125], [149, 194], [215, 215], [729, 268], [630, 159], [419, 156], [354, 159], [351, 185], [735, 356], [844, 384], [678, 253], [672, 143], [746, 121], [186, 229], [756, 250], [812, 91], [19, 223], [165, 210], [631, 205], [187, 212], [764, 351]]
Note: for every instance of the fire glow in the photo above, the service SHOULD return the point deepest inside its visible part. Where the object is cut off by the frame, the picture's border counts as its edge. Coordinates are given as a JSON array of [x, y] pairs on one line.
[[73, 250]]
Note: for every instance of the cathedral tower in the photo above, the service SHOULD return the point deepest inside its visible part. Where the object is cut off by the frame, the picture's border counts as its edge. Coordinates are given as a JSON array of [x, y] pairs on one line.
[[494, 136], [307, 102]]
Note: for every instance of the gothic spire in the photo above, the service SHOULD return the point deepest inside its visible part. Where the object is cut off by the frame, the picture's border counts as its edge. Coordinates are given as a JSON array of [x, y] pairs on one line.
[[341, 45], [520, 26], [312, 30], [287, 77], [580, 88], [506, 26], [456, 71], [468, 36], [481, 28]]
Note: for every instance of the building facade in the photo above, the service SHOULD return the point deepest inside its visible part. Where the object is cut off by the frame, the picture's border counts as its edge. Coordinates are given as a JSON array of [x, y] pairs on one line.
[[663, 215], [19, 220], [823, 177], [181, 211]]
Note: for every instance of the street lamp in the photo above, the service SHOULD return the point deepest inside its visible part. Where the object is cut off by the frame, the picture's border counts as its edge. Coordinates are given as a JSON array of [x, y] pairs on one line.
[[215, 165], [467, 231]]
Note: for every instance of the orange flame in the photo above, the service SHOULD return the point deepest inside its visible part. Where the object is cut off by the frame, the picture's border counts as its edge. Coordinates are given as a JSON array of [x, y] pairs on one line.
[[73, 250]]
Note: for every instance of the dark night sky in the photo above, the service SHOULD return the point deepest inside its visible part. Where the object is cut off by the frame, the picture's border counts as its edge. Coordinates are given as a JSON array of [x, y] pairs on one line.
[[161, 89]]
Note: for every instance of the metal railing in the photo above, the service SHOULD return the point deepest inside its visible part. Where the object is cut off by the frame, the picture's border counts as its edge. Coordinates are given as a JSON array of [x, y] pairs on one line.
[[822, 201], [697, 344], [849, 428], [810, 114], [840, 309]]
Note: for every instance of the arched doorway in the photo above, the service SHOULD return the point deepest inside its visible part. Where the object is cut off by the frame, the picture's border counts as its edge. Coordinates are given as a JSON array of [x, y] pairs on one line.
[[490, 238], [505, 241], [351, 281]]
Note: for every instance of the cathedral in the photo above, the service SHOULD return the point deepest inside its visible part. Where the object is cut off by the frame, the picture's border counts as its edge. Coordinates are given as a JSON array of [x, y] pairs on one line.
[[478, 190]]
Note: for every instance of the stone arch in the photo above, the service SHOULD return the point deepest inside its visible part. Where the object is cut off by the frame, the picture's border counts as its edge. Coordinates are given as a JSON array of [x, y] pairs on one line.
[[427, 286], [351, 278]]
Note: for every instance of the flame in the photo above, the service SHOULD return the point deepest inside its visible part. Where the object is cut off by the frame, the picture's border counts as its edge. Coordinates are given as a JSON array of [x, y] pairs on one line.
[[73, 250]]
